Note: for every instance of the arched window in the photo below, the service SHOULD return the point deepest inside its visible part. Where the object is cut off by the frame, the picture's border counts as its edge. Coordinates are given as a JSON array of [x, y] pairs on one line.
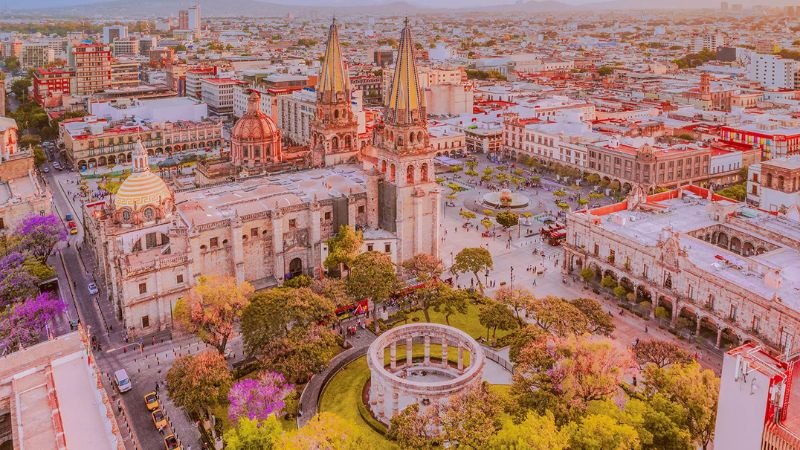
[[336, 114], [399, 141], [335, 143], [392, 172], [149, 213], [410, 174], [348, 142], [419, 136], [423, 172], [411, 138], [126, 215], [769, 179], [383, 166]]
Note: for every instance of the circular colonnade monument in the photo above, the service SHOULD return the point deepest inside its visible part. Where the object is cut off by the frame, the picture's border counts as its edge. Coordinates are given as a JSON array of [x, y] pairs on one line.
[[427, 382]]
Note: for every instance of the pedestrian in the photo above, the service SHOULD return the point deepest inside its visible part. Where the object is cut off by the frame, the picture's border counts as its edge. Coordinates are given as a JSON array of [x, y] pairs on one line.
[[534, 281], [645, 328]]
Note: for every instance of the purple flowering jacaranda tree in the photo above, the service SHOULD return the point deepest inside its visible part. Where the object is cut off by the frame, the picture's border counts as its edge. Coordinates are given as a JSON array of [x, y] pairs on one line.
[[23, 324], [257, 398], [37, 235], [16, 282]]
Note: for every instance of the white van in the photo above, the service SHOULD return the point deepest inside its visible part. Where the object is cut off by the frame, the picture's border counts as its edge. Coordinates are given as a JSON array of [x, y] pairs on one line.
[[122, 381]]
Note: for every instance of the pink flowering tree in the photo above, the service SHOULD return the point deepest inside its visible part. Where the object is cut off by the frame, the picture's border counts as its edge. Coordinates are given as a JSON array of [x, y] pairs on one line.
[[37, 235], [16, 282], [257, 398], [23, 324]]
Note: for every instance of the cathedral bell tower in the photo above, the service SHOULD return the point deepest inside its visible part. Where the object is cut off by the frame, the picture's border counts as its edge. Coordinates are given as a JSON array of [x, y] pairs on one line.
[[408, 194], [334, 131]]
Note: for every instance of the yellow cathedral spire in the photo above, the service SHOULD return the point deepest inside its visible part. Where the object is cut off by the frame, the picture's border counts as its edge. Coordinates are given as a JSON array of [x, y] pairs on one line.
[[333, 78], [405, 104]]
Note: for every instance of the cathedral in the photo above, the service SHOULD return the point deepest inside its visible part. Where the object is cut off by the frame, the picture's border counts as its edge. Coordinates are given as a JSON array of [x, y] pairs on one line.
[[261, 223]]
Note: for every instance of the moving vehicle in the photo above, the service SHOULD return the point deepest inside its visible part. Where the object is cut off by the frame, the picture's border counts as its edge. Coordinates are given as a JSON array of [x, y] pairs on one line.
[[73, 231], [151, 401], [171, 443], [159, 419], [46, 169], [93, 290], [72, 224], [122, 381]]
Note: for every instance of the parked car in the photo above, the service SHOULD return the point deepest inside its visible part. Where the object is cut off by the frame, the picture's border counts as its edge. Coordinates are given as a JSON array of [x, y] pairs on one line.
[[92, 289], [151, 401], [68, 217], [72, 224], [171, 443], [73, 230], [122, 381], [46, 169], [159, 419]]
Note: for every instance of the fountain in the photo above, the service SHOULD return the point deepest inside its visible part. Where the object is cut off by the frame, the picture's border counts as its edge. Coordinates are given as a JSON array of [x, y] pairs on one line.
[[505, 199]]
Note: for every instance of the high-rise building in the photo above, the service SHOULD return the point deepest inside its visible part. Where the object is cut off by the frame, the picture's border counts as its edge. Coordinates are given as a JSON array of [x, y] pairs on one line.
[[125, 73], [50, 85], [772, 71], [335, 130], [114, 32], [125, 47], [183, 19], [195, 22], [92, 66], [36, 55]]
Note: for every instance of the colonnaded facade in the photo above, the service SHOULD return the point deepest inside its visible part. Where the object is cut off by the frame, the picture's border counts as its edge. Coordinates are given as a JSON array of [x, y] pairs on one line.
[[731, 272], [153, 242], [427, 382]]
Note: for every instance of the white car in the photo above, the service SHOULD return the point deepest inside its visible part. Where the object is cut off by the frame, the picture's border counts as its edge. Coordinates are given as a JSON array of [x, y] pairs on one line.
[[93, 289]]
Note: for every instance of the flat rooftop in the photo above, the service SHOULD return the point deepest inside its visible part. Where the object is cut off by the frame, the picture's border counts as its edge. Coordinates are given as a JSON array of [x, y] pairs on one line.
[[791, 163], [209, 205]]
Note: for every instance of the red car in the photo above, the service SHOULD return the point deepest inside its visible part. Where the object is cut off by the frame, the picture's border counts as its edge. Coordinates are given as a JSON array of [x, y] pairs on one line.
[[72, 224]]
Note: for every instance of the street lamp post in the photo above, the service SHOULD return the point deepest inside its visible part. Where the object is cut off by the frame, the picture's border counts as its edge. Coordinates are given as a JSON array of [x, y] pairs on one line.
[[512, 278]]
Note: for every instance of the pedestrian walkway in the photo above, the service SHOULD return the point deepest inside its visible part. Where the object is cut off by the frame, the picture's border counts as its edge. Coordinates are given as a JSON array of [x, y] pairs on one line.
[[309, 399]]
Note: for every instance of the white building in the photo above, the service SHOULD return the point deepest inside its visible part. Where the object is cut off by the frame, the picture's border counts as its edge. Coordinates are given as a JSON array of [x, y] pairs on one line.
[[772, 71], [774, 185], [706, 41], [154, 110], [125, 47], [36, 54], [296, 112], [218, 95], [113, 32]]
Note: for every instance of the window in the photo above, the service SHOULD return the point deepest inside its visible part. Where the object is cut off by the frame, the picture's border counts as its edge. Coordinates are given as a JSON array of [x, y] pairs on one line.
[[126, 215], [214, 242], [369, 247], [254, 232], [149, 213], [145, 321], [150, 239], [387, 248], [596, 250], [2, 224], [179, 279], [361, 209], [292, 223], [756, 323], [732, 314], [143, 288], [327, 215]]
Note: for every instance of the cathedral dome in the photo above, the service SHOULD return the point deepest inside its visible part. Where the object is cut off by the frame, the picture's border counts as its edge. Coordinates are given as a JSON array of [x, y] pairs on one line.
[[142, 187], [255, 125]]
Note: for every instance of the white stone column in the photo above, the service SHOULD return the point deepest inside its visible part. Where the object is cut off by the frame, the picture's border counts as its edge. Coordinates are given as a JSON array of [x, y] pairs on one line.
[[277, 246], [460, 357], [427, 350], [719, 336], [238, 250], [444, 352], [418, 219], [409, 351], [393, 355], [395, 404], [387, 402]]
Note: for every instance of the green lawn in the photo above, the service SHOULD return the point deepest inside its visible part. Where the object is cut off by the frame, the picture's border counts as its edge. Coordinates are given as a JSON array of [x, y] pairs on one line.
[[342, 395], [467, 322]]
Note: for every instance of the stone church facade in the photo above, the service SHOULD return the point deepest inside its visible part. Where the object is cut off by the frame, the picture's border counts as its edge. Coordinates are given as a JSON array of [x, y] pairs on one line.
[[153, 243]]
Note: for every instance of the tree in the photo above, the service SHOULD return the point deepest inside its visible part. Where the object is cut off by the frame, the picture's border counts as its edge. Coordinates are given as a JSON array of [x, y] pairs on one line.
[[472, 260], [20, 88], [507, 219], [470, 417], [258, 398], [373, 276], [599, 321], [468, 215], [212, 308], [11, 63], [605, 71], [299, 281], [487, 223], [534, 433], [692, 387], [608, 282], [426, 269], [599, 432], [251, 434], [587, 274], [24, 324], [39, 234], [660, 353], [522, 337], [343, 248], [451, 301], [620, 292], [495, 315], [16, 282], [414, 429], [199, 382], [333, 289], [517, 300], [557, 316], [285, 329], [324, 431]]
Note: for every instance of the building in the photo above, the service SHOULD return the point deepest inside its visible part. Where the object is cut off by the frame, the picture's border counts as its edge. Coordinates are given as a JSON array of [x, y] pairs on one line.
[[371, 86], [772, 71], [52, 396], [152, 243], [758, 399], [35, 55], [296, 115], [9, 138], [774, 185], [125, 73], [91, 64], [383, 56], [255, 140], [194, 20], [194, 77], [113, 32], [50, 85], [218, 95], [773, 139], [334, 130], [125, 47], [155, 110], [717, 268], [183, 19], [90, 142], [707, 41], [447, 91]]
